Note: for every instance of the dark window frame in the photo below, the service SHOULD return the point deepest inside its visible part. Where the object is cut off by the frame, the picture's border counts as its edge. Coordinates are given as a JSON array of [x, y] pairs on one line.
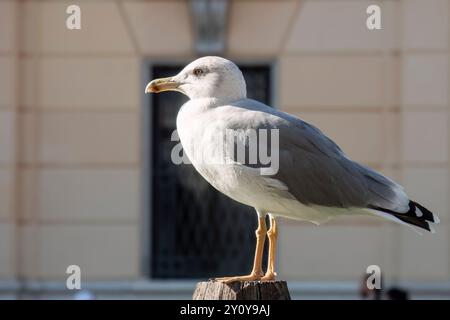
[[147, 147]]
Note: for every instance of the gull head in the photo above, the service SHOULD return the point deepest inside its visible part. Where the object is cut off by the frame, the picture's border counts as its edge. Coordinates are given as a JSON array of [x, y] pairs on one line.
[[206, 77]]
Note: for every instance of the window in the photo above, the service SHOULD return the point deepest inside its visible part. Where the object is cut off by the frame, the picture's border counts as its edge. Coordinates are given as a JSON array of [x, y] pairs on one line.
[[196, 231]]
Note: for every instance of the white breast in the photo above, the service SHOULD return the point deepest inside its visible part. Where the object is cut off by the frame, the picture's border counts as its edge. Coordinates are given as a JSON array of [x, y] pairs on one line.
[[201, 134]]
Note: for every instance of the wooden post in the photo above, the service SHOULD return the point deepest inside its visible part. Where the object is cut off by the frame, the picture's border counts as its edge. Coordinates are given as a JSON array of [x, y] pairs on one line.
[[246, 290]]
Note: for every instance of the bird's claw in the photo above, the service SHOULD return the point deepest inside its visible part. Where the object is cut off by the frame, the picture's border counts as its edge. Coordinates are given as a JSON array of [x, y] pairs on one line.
[[269, 276], [249, 277]]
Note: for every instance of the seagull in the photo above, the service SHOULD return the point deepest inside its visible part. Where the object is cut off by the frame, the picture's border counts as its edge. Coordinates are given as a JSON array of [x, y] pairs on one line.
[[314, 180]]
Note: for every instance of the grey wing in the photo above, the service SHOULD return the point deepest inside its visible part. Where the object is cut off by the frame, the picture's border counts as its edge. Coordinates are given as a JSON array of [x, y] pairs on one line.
[[317, 172]]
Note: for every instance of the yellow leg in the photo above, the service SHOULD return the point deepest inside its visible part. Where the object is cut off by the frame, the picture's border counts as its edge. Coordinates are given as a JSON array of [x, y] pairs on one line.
[[272, 234], [257, 272]]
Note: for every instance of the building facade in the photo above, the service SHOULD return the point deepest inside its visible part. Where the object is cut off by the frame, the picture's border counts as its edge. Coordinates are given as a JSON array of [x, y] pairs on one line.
[[74, 180]]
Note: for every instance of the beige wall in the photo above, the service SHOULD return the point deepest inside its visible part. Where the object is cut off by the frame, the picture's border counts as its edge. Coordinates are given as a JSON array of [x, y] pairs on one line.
[[70, 126], [8, 103]]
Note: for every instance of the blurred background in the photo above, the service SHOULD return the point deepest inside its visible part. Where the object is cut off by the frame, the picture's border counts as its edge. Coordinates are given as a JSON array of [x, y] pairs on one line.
[[85, 171]]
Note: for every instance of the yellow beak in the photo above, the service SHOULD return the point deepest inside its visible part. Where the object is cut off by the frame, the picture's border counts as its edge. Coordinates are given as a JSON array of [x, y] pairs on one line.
[[160, 85]]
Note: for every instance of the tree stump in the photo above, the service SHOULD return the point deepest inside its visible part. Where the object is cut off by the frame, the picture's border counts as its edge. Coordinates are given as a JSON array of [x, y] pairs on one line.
[[245, 290]]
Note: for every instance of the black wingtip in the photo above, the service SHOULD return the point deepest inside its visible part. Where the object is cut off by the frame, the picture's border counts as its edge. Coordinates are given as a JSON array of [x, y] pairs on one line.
[[417, 215], [420, 211]]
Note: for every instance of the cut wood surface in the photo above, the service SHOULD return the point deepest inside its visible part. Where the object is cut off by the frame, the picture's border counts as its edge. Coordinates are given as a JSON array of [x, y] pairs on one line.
[[245, 290]]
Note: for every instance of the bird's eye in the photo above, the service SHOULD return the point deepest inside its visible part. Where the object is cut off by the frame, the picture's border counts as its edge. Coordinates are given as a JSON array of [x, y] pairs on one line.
[[198, 72]]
